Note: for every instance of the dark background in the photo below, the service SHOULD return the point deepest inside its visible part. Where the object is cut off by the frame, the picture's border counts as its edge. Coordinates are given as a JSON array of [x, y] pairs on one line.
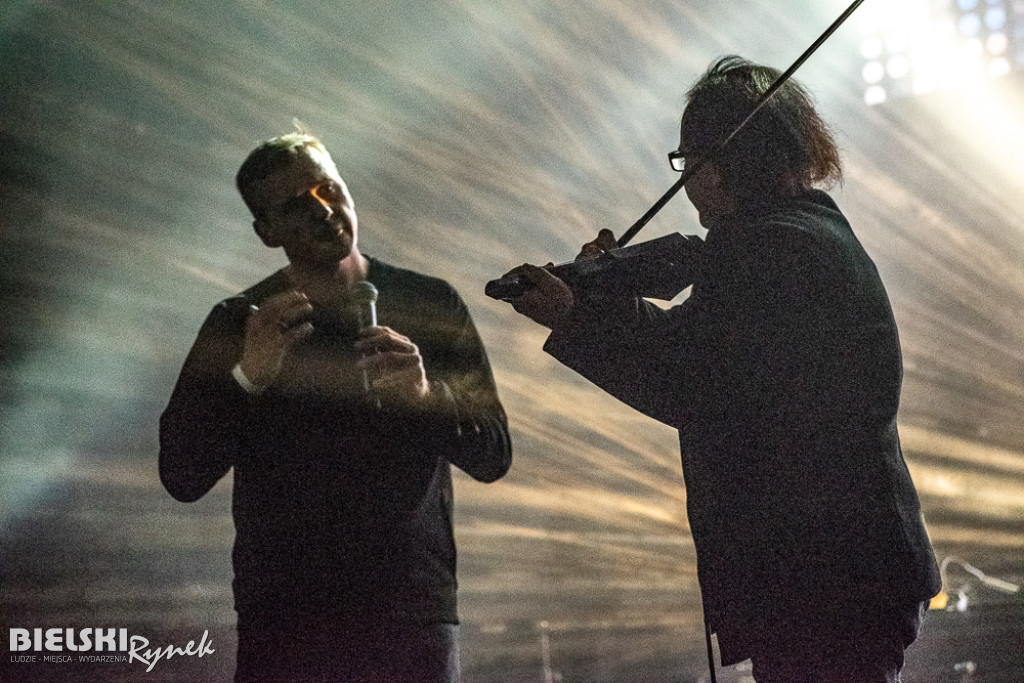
[[474, 135]]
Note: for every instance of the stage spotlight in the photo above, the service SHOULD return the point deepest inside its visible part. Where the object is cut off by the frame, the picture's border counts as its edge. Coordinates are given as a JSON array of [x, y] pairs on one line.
[[998, 67], [969, 25], [918, 46], [875, 94], [995, 18], [873, 72], [996, 44]]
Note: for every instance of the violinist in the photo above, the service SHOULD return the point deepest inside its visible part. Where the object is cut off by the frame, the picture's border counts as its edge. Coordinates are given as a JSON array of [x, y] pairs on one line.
[[782, 373]]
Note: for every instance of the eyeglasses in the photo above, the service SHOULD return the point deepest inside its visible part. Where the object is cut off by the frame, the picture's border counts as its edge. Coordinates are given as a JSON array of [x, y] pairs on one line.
[[677, 159]]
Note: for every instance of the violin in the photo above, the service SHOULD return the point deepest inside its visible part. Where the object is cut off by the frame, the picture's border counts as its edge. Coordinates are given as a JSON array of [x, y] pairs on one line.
[[658, 269]]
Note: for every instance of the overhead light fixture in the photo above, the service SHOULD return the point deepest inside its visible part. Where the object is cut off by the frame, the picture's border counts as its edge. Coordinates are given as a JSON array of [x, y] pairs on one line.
[[913, 47]]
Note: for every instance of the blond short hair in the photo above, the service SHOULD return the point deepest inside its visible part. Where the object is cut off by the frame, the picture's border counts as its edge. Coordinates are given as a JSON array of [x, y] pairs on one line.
[[273, 155]]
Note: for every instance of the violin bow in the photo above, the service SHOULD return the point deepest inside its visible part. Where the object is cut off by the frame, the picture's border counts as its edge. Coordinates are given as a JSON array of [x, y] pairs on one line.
[[762, 100]]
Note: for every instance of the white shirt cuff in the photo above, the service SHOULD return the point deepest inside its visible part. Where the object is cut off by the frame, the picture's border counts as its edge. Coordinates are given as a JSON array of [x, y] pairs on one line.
[[244, 381]]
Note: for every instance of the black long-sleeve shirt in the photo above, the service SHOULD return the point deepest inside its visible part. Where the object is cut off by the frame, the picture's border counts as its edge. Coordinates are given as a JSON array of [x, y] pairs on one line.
[[342, 509], [782, 373]]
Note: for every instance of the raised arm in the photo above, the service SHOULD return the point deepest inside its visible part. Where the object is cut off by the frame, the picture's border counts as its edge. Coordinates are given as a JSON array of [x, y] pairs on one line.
[[199, 429]]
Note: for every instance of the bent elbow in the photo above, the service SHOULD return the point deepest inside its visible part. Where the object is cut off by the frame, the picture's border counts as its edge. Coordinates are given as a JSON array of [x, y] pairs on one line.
[[500, 462], [181, 488], [499, 471], [185, 482]]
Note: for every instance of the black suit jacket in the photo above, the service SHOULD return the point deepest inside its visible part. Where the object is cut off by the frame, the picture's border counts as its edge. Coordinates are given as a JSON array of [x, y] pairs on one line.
[[782, 373]]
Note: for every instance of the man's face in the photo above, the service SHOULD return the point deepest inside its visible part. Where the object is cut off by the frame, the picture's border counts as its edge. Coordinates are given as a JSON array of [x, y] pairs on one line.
[[305, 207], [705, 189]]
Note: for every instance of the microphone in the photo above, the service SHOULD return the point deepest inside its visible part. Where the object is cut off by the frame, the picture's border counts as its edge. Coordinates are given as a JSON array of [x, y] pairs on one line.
[[362, 300]]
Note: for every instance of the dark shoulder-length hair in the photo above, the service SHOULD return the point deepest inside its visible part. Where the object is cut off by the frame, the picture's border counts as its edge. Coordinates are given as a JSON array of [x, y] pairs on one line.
[[786, 148]]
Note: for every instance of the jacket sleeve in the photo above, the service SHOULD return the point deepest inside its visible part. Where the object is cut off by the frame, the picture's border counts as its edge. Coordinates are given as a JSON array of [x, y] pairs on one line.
[[614, 344], [466, 420], [201, 426]]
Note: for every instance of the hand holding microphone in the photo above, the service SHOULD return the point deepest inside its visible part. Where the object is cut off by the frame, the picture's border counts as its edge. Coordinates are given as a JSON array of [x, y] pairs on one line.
[[391, 363]]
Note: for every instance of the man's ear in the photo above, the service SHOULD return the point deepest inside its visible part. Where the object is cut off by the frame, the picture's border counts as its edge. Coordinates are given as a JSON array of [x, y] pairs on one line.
[[266, 233]]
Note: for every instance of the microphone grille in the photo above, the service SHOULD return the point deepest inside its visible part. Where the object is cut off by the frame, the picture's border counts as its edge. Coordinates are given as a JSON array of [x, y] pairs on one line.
[[363, 292]]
